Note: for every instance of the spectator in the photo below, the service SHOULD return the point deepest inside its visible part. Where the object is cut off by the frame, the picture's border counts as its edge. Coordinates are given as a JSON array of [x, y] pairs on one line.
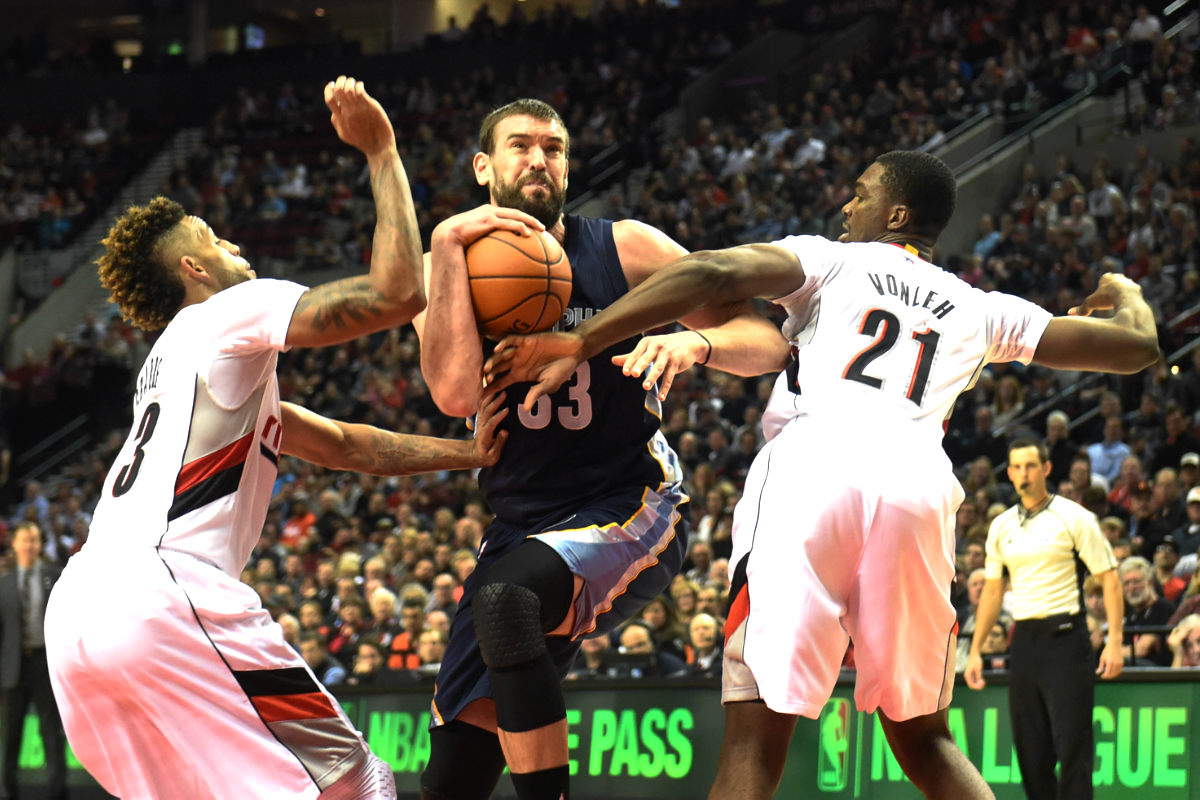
[[314, 650], [24, 677], [684, 594], [1189, 471], [994, 648], [1129, 478], [1184, 642], [1058, 442], [1143, 609], [1009, 403], [1179, 439], [291, 630], [701, 561], [705, 646], [384, 624], [711, 600], [402, 652], [1097, 618], [442, 597], [431, 648], [351, 624], [642, 659], [1188, 534], [369, 667], [661, 618], [596, 661], [1166, 557], [1107, 454]]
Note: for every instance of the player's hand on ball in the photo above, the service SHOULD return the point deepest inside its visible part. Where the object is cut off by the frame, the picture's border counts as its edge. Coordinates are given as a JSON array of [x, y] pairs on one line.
[[545, 359], [1111, 287], [357, 117], [489, 439], [661, 358], [463, 229]]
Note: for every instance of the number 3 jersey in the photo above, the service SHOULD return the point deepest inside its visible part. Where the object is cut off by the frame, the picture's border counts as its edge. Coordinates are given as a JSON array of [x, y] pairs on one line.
[[197, 470], [891, 335]]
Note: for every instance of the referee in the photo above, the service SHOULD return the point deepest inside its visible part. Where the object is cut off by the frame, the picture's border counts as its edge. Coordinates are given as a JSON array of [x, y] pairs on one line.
[[1050, 676]]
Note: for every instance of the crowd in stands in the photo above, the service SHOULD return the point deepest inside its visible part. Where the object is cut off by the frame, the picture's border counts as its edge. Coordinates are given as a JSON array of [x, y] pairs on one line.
[[54, 179], [364, 572]]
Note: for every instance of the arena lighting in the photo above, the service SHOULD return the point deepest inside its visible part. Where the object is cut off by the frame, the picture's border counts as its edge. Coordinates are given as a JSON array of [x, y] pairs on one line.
[[127, 48]]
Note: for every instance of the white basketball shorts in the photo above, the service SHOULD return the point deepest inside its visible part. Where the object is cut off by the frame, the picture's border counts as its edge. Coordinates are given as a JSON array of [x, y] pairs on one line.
[[844, 532], [174, 682]]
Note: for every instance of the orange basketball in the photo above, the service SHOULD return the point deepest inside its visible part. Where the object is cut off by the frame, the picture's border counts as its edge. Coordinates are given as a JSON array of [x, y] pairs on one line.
[[519, 284]]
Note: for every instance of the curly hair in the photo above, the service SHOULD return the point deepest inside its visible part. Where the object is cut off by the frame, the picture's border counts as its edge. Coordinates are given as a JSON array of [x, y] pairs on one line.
[[131, 266]]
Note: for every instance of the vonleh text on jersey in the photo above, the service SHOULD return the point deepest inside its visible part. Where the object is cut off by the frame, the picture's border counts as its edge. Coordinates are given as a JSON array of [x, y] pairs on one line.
[[900, 290]]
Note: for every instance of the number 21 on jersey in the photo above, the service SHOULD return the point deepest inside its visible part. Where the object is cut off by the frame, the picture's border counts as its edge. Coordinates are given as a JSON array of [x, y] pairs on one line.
[[885, 327]]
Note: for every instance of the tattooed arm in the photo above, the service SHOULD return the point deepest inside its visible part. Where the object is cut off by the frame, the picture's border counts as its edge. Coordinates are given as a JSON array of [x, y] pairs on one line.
[[392, 292], [363, 448]]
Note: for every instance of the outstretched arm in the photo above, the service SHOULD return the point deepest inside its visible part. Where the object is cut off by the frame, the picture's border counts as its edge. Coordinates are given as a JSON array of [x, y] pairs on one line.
[[1124, 343], [363, 448], [705, 278], [392, 292], [728, 335]]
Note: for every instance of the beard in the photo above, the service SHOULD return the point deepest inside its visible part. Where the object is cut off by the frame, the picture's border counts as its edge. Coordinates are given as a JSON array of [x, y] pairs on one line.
[[545, 209]]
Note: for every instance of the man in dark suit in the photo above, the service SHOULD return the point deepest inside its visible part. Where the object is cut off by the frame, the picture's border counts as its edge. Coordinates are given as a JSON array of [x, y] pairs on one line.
[[24, 676]]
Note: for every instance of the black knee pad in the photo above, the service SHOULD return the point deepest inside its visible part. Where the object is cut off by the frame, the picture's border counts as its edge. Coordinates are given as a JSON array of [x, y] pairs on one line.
[[508, 625], [451, 747], [539, 568]]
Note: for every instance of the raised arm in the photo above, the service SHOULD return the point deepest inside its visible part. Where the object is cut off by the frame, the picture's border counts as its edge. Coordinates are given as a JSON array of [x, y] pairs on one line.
[[363, 448], [1124, 343], [704, 278], [451, 347], [392, 292]]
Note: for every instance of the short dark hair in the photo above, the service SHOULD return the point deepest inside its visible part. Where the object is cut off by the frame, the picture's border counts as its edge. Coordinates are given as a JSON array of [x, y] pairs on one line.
[[315, 636], [925, 184], [132, 268], [526, 106], [1026, 441]]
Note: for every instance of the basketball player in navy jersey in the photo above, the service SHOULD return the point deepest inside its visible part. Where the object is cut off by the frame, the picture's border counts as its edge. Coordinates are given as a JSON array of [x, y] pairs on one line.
[[587, 492]]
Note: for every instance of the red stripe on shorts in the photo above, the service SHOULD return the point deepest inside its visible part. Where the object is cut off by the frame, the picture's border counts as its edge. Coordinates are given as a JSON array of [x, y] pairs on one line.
[[738, 611], [283, 707]]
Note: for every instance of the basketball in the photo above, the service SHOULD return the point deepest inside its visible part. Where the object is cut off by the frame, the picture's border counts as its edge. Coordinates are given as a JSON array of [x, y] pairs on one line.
[[519, 284]]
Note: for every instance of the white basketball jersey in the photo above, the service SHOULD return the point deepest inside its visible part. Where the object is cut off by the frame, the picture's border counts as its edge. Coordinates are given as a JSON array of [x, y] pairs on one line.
[[197, 470], [893, 336]]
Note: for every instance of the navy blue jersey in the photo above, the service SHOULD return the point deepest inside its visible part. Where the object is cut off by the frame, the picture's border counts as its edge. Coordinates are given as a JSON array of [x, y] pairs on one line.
[[595, 433]]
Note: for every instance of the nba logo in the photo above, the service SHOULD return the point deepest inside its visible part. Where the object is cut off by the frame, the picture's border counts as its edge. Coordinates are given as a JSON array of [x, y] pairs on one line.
[[833, 745]]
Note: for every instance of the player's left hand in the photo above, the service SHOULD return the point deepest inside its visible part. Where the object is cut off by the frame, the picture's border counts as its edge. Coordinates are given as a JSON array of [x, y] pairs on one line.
[[661, 358], [544, 359], [357, 117], [489, 440], [1112, 661]]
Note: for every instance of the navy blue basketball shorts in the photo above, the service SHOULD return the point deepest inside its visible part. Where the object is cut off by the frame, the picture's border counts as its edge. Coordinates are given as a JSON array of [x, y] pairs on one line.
[[627, 547]]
